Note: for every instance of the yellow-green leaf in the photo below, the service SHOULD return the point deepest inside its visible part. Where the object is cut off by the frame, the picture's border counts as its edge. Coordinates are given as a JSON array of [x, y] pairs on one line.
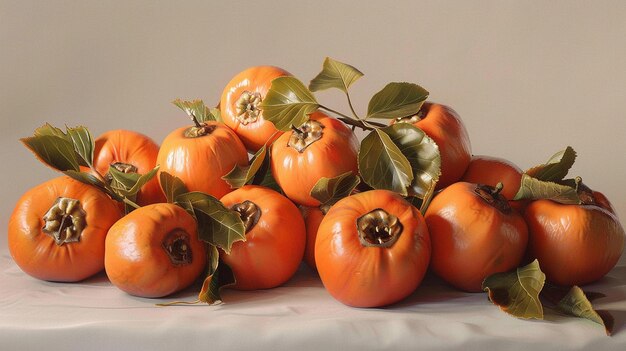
[[172, 186], [217, 225], [217, 276], [556, 168], [330, 190], [382, 165], [239, 176], [575, 303], [517, 292], [535, 189], [196, 108], [57, 152], [335, 74], [396, 100], [288, 103], [422, 153]]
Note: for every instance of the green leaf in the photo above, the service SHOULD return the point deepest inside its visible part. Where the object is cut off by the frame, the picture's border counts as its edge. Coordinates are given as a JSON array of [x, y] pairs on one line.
[[556, 168], [335, 74], [217, 225], [535, 189], [197, 109], [48, 129], [217, 114], [217, 276], [422, 153], [129, 184], [239, 176], [574, 302], [397, 100], [57, 152], [288, 103], [382, 164], [83, 144], [517, 292], [172, 186], [330, 190]]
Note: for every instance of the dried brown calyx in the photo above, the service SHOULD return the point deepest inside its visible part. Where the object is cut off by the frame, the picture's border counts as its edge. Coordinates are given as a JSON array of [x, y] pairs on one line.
[[176, 245], [492, 196], [249, 213], [122, 167], [378, 228], [247, 107], [65, 221], [310, 132]]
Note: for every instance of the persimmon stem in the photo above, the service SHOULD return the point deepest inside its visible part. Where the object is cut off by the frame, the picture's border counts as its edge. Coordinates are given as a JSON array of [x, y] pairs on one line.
[[195, 120], [360, 123]]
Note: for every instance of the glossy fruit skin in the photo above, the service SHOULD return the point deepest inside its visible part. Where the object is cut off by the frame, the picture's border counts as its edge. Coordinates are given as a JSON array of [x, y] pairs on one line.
[[353, 273], [136, 260], [491, 170], [446, 128], [312, 218], [36, 252], [274, 246], [575, 244], [472, 239], [257, 79], [201, 162], [132, 148], [332, 155]]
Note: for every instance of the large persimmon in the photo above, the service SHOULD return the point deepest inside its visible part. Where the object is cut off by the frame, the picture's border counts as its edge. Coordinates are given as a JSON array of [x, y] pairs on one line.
[[154, 251], [57, 230], [275, 238], [490, 170], [372, 249], [322, 147], [201, 155]]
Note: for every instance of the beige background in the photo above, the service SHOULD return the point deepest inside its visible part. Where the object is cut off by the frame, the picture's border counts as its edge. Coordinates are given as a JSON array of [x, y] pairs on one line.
[[527, 77]]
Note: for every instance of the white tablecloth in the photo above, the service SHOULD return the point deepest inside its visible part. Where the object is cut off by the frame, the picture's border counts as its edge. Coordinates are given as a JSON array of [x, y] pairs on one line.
[[301, 315]]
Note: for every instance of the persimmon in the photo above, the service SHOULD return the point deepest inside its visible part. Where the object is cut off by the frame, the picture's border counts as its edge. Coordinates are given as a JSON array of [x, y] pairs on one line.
[[575, 244], [201, 155], [372, 249], [312, 218], [322, 147], [275, 238], [491, 170], [57, 230], [129, 151], [475, 233], [154, 251], [446, 128], [240, 105]]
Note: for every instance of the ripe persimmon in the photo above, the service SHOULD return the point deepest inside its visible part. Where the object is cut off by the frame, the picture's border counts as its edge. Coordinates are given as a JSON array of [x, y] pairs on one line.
[[275, 238], [446, 128], [154, 251], [491, 170], [57, 230], [322, 147], [372, 249], [475, 233], [240, 105]]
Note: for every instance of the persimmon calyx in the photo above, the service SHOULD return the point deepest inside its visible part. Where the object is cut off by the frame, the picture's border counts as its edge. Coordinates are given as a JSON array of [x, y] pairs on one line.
[[310, 132], [122, 167], [176, 245], [200, 130], [247, 107], [249, 213], [65, 221], [378, 228], [492, 196]]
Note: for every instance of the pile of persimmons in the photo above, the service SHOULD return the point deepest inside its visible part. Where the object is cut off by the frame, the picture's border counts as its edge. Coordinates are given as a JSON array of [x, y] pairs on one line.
[[270, 177]]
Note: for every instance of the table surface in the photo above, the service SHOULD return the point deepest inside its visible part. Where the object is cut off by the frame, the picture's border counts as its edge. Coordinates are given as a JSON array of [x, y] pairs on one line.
[[300, 315]]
